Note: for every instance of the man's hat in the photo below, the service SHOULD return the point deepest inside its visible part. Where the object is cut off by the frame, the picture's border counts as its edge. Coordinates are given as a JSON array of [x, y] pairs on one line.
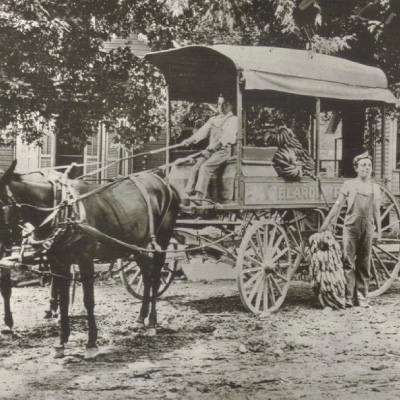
[[229, 98], [361, 157]]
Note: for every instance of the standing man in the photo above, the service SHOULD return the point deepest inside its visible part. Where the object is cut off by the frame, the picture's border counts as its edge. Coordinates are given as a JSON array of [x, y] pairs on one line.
[[222, 132], [362, 219]]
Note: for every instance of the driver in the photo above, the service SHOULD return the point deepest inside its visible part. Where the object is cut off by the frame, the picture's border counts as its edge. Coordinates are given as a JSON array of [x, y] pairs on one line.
[[222, 133]]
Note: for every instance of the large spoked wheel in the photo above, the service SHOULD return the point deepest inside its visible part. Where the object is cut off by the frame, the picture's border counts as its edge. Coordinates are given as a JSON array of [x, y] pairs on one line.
[[264, 267], [385, 261], [131, 275]]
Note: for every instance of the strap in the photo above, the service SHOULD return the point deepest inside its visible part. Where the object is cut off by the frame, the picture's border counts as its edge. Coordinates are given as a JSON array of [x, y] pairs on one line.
[[169, 202], [146, 197]]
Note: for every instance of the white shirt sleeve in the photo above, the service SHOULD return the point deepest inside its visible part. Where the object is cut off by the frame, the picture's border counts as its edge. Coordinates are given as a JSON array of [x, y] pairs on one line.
[[229, 131], [377, 191], [203, 132]]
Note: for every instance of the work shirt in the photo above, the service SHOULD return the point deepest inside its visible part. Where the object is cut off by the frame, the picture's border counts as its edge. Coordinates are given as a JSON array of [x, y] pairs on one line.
[[221, 128], [351, 187]]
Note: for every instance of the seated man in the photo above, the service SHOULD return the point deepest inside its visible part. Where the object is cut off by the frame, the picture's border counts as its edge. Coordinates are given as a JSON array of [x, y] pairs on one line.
[[222, 132]]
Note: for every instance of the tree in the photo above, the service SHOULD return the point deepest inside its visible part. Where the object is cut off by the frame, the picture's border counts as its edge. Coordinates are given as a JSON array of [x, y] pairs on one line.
[[54, 73]]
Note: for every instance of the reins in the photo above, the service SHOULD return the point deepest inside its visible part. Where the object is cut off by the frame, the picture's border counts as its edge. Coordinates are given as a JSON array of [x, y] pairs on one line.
[[62, 227]]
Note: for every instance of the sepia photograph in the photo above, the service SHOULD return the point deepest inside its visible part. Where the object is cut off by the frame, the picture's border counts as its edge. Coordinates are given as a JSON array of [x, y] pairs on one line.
[[199, 199]]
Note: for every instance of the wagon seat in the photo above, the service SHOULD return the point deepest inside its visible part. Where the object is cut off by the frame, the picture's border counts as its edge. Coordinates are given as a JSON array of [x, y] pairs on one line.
[[256, 162]]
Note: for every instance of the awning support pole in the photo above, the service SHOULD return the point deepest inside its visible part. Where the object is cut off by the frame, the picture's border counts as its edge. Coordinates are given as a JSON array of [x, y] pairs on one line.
[[383, 160], [239, 111], [317, 132], [168, 133]]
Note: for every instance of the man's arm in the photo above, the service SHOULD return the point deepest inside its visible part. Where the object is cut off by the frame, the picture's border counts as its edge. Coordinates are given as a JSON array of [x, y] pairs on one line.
[[201, 133], [377, 213], [334, 211]]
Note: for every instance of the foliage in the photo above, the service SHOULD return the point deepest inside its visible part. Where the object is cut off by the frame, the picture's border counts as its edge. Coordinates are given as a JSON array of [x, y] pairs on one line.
[[54, 74]]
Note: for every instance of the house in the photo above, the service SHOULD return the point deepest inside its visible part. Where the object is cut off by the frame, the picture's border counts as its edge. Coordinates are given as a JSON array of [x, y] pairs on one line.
[[100, 152]]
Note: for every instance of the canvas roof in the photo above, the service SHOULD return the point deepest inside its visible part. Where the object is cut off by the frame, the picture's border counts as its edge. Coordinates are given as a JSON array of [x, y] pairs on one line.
[[200, 73]]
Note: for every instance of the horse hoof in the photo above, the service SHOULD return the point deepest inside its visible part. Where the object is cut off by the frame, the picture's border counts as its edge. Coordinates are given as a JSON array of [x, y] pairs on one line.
[[59, 352], [138, 326], [151, 332], [6, 332], [91, 353], [48, 315]]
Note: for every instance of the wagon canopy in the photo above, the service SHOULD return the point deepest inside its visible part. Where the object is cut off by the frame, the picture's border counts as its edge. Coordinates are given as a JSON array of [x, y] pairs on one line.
[[199, 73]]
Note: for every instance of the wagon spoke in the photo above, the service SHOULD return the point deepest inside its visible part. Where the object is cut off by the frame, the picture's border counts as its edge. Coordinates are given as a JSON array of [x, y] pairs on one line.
[[272, 238], [251, 280], [266, 290], [281, 276], [140, 284], [387, 253], [252, 269], [381, 263], [374, 273], [277, 244], [255, 249], [135, 276], [254, 291], [259, 239], [280, 254], [271, 290], [276, 285], [260, 291], [265, 241], [387, 227], [253, 260], [386, 212]]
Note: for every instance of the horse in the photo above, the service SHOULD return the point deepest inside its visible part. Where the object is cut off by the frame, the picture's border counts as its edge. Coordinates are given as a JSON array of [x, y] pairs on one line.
[[140, 211]]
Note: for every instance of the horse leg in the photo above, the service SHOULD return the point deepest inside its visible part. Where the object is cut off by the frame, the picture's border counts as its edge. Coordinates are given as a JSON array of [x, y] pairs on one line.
[[159, 260], [6, 289], [144, 264], [87, 275], [52, 311], [61, 281]]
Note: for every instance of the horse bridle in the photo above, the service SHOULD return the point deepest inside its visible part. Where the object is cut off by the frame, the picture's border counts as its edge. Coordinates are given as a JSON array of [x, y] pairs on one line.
[[10, 212]]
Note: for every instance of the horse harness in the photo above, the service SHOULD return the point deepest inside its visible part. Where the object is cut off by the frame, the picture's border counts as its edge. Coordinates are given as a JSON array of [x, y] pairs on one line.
[[69, 212], [9, 209]]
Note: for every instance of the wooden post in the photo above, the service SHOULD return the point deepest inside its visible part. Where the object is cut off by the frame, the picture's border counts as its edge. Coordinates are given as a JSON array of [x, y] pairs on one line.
[[239, 110], [383, 158], [317, 132], [168, 133]]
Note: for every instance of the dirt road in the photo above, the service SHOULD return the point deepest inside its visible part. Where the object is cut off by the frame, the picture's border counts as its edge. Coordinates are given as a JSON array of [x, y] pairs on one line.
[[207, 347]]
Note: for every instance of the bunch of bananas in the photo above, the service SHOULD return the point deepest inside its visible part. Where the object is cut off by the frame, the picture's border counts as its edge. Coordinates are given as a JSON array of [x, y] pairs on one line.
[[284, 138], [326, 270], [287, 165]]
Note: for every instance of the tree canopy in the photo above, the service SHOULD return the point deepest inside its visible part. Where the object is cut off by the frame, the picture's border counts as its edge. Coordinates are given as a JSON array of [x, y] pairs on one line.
[[54, 73]]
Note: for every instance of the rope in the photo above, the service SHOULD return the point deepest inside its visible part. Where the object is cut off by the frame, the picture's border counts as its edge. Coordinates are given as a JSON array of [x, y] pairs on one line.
[[130, 158], [101, 188], [100, 235]]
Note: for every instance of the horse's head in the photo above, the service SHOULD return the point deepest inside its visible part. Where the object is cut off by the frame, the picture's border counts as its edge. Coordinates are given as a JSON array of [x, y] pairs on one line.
[[8, 216]]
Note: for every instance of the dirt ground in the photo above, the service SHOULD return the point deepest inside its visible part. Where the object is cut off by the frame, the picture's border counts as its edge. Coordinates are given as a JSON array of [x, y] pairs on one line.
[[207, 347]]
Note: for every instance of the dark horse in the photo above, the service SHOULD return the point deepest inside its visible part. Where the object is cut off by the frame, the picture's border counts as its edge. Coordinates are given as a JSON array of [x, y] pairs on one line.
[[119, 210]]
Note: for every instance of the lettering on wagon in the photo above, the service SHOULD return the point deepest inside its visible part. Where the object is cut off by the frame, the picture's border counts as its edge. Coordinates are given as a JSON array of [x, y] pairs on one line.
[[297, 193], [261, 193]]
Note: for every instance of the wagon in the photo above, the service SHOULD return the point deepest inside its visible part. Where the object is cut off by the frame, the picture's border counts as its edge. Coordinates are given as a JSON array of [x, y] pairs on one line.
[[255, 220]]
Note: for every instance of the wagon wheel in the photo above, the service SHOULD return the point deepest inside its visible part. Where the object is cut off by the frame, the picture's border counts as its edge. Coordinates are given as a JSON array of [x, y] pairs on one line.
[[264, 266], [131, 275], [385, 262]]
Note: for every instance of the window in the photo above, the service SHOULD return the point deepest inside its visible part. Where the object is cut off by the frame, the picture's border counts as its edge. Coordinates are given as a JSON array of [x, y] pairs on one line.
[[46, 152]]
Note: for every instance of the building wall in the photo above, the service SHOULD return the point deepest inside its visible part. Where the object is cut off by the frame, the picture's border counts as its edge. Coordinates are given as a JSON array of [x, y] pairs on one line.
[[390, 173], [6, 157]]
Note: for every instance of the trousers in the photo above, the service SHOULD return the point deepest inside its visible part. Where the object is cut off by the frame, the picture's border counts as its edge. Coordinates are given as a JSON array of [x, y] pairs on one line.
[[358, 235], [202, 171]]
